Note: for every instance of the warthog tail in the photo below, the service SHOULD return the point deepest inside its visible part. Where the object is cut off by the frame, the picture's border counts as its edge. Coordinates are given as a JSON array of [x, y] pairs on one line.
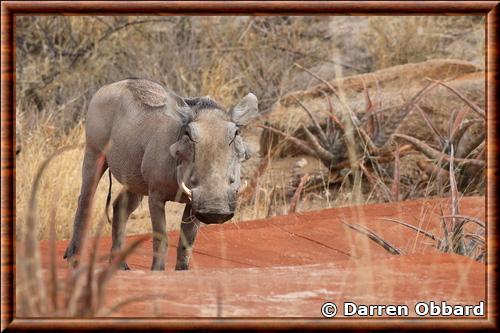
[[108, 198]]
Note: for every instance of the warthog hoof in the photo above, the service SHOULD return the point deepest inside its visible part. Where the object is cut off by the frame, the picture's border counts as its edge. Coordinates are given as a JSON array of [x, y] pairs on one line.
[[71, 256], [123, 266], [182, 267], [70, 251], [158, 265], [65, 256]]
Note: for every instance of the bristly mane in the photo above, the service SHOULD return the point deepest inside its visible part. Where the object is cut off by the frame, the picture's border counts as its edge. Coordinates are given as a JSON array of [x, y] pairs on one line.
[[200, 103]]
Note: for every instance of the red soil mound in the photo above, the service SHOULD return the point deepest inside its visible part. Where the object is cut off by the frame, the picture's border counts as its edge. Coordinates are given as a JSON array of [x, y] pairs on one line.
[[290, 265]]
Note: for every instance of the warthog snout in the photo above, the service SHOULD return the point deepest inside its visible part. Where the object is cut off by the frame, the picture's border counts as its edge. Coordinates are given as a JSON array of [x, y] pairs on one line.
[[213, 209], [213, 218]]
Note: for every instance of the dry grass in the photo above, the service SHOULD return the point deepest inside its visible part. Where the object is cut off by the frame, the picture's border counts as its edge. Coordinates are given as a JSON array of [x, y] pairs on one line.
[[401, 40], [224, 57], [60, 183], [42, 293]]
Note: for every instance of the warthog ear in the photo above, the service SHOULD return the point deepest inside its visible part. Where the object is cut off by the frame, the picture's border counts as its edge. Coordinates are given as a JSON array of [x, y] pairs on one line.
[[245, 110], [181, 103], [182, 109]]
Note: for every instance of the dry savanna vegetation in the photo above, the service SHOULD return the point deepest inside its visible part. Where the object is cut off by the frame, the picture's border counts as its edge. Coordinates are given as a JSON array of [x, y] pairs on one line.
[[340, 124], [355, 110]]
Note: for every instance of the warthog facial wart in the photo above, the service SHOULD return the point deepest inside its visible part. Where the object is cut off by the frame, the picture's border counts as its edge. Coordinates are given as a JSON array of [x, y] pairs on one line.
[[168, 148]]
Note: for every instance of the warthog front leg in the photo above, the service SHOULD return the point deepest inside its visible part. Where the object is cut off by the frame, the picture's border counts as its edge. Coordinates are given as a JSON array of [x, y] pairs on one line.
[[94, 165], [187, 236], [123, 206], [160, 240]]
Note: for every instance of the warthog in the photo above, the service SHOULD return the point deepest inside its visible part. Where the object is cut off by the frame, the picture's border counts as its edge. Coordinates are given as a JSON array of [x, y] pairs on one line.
[[169, 148]]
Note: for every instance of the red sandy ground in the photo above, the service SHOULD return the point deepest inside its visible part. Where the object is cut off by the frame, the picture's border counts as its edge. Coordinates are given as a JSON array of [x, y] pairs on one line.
[[290, 265]]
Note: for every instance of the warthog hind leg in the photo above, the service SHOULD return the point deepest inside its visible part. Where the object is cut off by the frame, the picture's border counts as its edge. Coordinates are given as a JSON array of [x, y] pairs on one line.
[[94, 166], [123, 206]]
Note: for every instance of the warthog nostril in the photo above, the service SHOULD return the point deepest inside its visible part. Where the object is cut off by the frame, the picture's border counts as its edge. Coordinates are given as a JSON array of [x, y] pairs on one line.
[[213, 218]]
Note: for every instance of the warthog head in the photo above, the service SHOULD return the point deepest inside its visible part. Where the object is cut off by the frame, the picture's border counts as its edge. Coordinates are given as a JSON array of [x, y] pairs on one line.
[[209, 154]]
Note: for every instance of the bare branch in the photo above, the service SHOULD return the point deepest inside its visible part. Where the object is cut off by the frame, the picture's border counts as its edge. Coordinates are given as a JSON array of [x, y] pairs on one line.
[[296, 195], [374, 182], [435, 154], [391, 127], [372, 148], [328, 84], [301, 144], [440, 139], [473, 106], [333, 116], [432, 170], [459, 132], [312, 55], [389, 157], [371, 178], [320, 131], [478, 151], [352, 116], [396, 177], [373, 120], [456, 120]]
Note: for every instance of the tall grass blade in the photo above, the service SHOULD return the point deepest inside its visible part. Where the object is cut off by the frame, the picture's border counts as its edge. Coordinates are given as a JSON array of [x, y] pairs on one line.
[[374, 237]]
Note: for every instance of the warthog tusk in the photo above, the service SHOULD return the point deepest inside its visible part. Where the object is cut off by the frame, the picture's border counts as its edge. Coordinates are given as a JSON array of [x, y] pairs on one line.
[[186, 190]]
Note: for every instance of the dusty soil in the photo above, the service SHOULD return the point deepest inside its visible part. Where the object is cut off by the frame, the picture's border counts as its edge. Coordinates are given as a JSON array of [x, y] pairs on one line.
[[290, 265]]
